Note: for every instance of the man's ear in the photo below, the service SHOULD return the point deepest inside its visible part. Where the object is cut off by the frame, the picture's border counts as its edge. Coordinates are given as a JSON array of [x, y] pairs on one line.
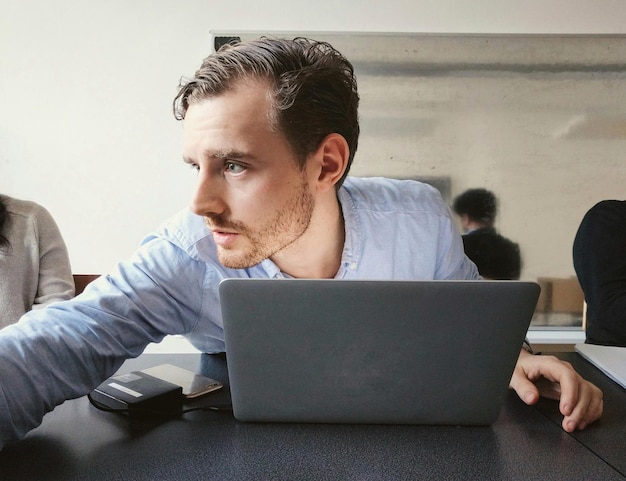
[[331, 161]]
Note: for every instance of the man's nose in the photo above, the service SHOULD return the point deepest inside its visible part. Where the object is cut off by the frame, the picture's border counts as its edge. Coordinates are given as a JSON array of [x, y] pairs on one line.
[[207, 198]]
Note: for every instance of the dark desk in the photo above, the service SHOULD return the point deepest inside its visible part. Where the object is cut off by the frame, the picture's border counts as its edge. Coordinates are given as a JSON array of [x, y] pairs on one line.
[[77, 442]]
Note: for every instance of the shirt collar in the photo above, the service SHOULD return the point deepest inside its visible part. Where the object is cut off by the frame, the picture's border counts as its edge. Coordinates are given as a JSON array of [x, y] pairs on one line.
[[353, 242]]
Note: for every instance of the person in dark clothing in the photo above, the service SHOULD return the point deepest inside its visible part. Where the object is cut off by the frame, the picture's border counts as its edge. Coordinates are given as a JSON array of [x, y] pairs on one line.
[[495, 256], [599, 253]]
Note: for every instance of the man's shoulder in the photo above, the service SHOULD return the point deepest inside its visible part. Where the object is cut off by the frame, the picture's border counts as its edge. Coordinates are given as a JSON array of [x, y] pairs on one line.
[[384, 193], [483, 232], [489, 237]]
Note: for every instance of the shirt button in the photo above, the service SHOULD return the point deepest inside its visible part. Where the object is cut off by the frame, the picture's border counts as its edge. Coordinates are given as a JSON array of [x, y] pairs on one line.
[[353, 266]]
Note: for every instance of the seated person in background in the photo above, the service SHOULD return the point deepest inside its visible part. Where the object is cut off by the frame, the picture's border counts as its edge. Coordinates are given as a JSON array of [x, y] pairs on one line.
[[34, 264], [495, 256], [271, 127], [600, 262]]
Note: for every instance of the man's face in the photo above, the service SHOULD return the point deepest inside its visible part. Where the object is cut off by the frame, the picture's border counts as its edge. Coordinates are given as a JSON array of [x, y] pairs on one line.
[[254, 197]]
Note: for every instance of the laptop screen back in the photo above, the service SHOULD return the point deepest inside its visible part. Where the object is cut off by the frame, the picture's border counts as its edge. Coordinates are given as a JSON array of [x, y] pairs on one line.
[[409, 352]]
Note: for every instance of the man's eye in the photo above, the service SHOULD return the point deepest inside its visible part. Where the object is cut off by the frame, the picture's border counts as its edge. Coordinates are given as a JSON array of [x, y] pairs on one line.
[[233, 168]]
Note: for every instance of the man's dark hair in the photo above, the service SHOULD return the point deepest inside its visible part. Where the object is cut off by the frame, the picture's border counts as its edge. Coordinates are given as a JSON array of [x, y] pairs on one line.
[[480, 205], [313, 89]]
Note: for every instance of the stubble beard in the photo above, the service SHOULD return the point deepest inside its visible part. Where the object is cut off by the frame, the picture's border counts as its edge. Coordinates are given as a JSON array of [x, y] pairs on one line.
[[285, 227]]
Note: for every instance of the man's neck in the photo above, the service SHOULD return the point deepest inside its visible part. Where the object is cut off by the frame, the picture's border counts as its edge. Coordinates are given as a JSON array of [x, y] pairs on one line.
[[317, 254], [471, 225]]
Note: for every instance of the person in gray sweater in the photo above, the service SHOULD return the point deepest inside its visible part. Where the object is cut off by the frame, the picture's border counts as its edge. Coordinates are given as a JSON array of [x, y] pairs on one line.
[[34, 263]]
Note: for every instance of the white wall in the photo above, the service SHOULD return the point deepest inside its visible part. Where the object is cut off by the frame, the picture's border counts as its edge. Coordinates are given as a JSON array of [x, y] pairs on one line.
[[85, 92]]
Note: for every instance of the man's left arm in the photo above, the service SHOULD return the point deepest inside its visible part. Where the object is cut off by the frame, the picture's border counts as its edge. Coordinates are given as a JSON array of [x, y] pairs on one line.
[[580, 401]]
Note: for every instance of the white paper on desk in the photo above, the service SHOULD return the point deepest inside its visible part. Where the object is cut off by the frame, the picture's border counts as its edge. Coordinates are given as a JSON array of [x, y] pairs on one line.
[[611, 360]]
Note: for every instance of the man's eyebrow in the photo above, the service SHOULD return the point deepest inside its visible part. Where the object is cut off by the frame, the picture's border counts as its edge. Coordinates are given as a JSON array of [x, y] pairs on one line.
[[227, 154], [220, 155]]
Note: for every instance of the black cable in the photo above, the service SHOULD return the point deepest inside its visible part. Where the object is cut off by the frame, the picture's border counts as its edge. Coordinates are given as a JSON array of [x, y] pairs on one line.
[[223, 407]]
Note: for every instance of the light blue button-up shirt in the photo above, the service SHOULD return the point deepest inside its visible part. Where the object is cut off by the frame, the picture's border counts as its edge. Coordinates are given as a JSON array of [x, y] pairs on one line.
[[394, 230]]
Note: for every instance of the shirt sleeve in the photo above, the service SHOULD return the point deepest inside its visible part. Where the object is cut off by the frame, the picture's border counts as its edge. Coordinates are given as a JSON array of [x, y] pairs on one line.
[[66, 350]]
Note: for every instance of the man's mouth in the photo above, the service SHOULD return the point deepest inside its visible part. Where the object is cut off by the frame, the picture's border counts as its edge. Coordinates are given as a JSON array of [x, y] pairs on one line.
[[220, 230], [223, 238]]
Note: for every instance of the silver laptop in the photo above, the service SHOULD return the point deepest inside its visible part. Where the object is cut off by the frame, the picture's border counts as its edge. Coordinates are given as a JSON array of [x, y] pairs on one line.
[[380, 352], [611, 360]]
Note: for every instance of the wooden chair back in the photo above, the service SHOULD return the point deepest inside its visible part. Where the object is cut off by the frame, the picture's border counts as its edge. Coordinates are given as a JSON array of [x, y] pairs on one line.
[[81, 281]]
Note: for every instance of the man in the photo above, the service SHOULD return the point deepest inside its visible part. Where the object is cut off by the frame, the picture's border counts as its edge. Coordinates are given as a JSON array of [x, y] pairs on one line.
[[600, 261], [495, 256], [271, 127]]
